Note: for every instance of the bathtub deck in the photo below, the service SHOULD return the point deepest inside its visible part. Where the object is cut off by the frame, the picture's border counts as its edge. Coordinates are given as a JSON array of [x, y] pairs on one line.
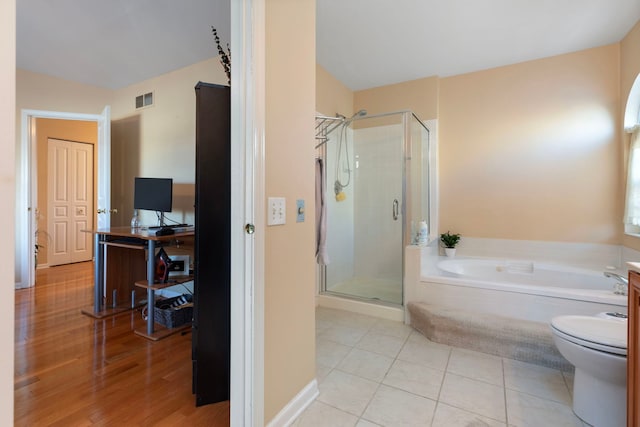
[[523, 340]]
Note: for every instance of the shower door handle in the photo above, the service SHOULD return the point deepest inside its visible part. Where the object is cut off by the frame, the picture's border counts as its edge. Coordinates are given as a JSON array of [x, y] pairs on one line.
[[396, 207]]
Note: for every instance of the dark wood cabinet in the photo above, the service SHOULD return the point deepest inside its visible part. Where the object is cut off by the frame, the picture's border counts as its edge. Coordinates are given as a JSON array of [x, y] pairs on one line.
[[212, 252]]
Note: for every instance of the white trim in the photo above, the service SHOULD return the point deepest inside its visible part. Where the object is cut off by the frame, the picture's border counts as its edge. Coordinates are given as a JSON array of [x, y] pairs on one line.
[[631, 115], [103, 198], [27, 193], [258, 155], [632, 129], [434, 194], [247, 206], [24, 223], [294, 408]]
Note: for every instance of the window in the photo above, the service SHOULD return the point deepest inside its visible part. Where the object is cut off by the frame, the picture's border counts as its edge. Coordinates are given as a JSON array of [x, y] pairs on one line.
[[632, 126], [632, 208]]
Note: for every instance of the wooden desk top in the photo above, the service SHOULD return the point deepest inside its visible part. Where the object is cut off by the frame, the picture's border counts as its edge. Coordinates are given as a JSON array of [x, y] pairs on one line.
[[141, 233]]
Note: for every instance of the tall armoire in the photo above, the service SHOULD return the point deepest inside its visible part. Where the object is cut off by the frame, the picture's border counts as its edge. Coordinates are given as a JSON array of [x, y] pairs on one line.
[[212, 263]]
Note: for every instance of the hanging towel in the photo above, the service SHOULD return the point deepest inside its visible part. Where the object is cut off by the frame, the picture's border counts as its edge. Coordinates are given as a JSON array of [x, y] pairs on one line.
[[322, 257]]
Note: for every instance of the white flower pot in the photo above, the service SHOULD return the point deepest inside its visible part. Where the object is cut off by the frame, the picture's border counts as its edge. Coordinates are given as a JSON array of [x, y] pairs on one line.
[[450, 252]]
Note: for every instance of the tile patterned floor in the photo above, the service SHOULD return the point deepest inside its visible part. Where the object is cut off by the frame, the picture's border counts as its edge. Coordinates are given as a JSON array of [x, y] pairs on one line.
[[374, 372]]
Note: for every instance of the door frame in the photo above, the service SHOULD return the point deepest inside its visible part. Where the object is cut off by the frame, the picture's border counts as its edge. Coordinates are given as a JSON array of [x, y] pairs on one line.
[[247, 207], [27, 196]]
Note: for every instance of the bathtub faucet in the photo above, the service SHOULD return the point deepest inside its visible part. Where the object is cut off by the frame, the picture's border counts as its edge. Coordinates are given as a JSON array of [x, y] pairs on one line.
[[622, 283]]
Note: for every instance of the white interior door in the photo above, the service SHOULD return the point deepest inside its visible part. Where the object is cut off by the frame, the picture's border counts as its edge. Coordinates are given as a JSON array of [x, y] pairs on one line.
[[70, 201]]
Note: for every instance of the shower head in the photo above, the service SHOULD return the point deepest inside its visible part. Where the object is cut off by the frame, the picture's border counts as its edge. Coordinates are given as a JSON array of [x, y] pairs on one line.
[[360, 113]]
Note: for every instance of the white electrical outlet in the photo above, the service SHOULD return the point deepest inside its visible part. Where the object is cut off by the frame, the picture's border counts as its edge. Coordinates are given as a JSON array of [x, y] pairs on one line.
[[276, 211]]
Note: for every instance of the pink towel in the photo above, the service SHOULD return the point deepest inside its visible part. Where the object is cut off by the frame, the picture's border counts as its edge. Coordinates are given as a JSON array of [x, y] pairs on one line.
[[322, 257]]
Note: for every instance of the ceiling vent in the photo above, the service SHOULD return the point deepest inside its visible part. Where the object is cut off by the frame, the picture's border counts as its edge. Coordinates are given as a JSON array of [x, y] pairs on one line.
[[145, 100]]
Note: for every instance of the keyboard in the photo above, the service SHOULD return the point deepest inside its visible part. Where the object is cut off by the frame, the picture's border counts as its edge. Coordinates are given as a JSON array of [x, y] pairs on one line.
[[155, 227]]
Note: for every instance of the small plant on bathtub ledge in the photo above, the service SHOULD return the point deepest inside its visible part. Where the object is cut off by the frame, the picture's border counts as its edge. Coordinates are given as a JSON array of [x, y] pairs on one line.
[[449, 241]]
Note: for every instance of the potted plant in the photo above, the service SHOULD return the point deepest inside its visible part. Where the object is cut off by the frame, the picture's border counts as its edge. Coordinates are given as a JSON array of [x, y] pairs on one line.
[[449, 241], [225, 56]]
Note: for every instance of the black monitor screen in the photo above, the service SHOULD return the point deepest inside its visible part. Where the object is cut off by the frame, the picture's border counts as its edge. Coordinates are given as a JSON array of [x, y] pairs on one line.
[[153, 194]]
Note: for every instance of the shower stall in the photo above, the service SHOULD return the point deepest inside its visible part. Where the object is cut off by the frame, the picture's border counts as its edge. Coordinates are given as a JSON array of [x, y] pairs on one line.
[[377, 174]]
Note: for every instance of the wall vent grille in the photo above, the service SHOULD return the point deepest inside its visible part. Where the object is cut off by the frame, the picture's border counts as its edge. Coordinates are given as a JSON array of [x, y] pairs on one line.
[[145, 100]]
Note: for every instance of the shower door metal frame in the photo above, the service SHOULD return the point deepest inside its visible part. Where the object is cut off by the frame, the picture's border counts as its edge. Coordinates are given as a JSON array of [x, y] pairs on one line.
[[407, 145]]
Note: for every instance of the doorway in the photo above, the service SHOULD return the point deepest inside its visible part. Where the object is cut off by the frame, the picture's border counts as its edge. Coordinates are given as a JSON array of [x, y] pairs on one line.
[[27, 194]]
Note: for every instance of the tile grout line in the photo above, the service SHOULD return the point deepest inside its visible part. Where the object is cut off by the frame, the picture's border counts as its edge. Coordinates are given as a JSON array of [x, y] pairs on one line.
[[504, 392], [385, 375], [444, 375]]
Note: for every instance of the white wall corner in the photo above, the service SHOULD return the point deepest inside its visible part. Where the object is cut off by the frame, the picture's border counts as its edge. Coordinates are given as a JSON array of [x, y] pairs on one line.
[[296, 406]]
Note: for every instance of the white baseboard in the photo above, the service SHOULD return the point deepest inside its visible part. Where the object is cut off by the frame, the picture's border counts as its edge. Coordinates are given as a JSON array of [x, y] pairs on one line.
[[294, 408]]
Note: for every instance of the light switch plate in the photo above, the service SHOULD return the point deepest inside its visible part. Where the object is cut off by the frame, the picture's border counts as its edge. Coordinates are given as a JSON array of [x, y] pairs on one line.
[[299, 210], [276, 211]]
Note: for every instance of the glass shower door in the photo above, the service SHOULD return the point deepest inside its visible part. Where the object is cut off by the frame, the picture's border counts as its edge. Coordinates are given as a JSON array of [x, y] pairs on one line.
[[365, 218]]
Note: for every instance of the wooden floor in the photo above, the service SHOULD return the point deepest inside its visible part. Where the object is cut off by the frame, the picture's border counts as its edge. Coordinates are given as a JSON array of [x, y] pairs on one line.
[[72, 370]]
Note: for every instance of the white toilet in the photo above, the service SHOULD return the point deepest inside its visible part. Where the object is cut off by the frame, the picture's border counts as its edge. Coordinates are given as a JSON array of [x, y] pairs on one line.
[[597, 347]]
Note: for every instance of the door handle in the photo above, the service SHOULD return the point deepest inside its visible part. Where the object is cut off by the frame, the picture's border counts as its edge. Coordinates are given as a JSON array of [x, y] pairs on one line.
[[395, 210]]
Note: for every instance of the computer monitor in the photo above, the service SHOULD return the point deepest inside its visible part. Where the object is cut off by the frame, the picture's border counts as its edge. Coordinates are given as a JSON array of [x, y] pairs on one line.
[[153, 194]]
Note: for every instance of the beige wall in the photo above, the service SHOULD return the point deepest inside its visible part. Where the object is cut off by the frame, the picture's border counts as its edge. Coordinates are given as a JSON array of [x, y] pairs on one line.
[[629, 60], [158, 141], [531, 151], [7, 191], [332, 97], [289, 325], [41, 92], [629, 71], [420, 96], [69, 130]]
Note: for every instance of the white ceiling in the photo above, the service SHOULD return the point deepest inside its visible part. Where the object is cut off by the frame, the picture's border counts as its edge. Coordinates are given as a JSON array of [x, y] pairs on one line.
[[369, 43], [363, 43], [114, 43]]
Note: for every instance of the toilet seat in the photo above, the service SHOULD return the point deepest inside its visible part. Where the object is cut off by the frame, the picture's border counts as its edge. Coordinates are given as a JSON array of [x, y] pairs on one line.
[[592, 332]]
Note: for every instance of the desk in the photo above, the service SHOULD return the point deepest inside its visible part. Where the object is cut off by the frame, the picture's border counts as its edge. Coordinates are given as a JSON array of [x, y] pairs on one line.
[[110, 237]]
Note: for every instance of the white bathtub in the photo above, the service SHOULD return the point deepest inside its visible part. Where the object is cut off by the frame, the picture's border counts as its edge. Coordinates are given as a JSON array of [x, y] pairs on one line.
[[515, 288]]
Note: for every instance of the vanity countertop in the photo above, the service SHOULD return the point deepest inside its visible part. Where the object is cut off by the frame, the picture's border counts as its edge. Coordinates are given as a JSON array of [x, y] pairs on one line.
[[635, 266]]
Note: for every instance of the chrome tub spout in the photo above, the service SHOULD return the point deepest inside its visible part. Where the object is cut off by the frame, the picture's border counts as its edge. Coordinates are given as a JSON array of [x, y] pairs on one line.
[[622, 283]]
